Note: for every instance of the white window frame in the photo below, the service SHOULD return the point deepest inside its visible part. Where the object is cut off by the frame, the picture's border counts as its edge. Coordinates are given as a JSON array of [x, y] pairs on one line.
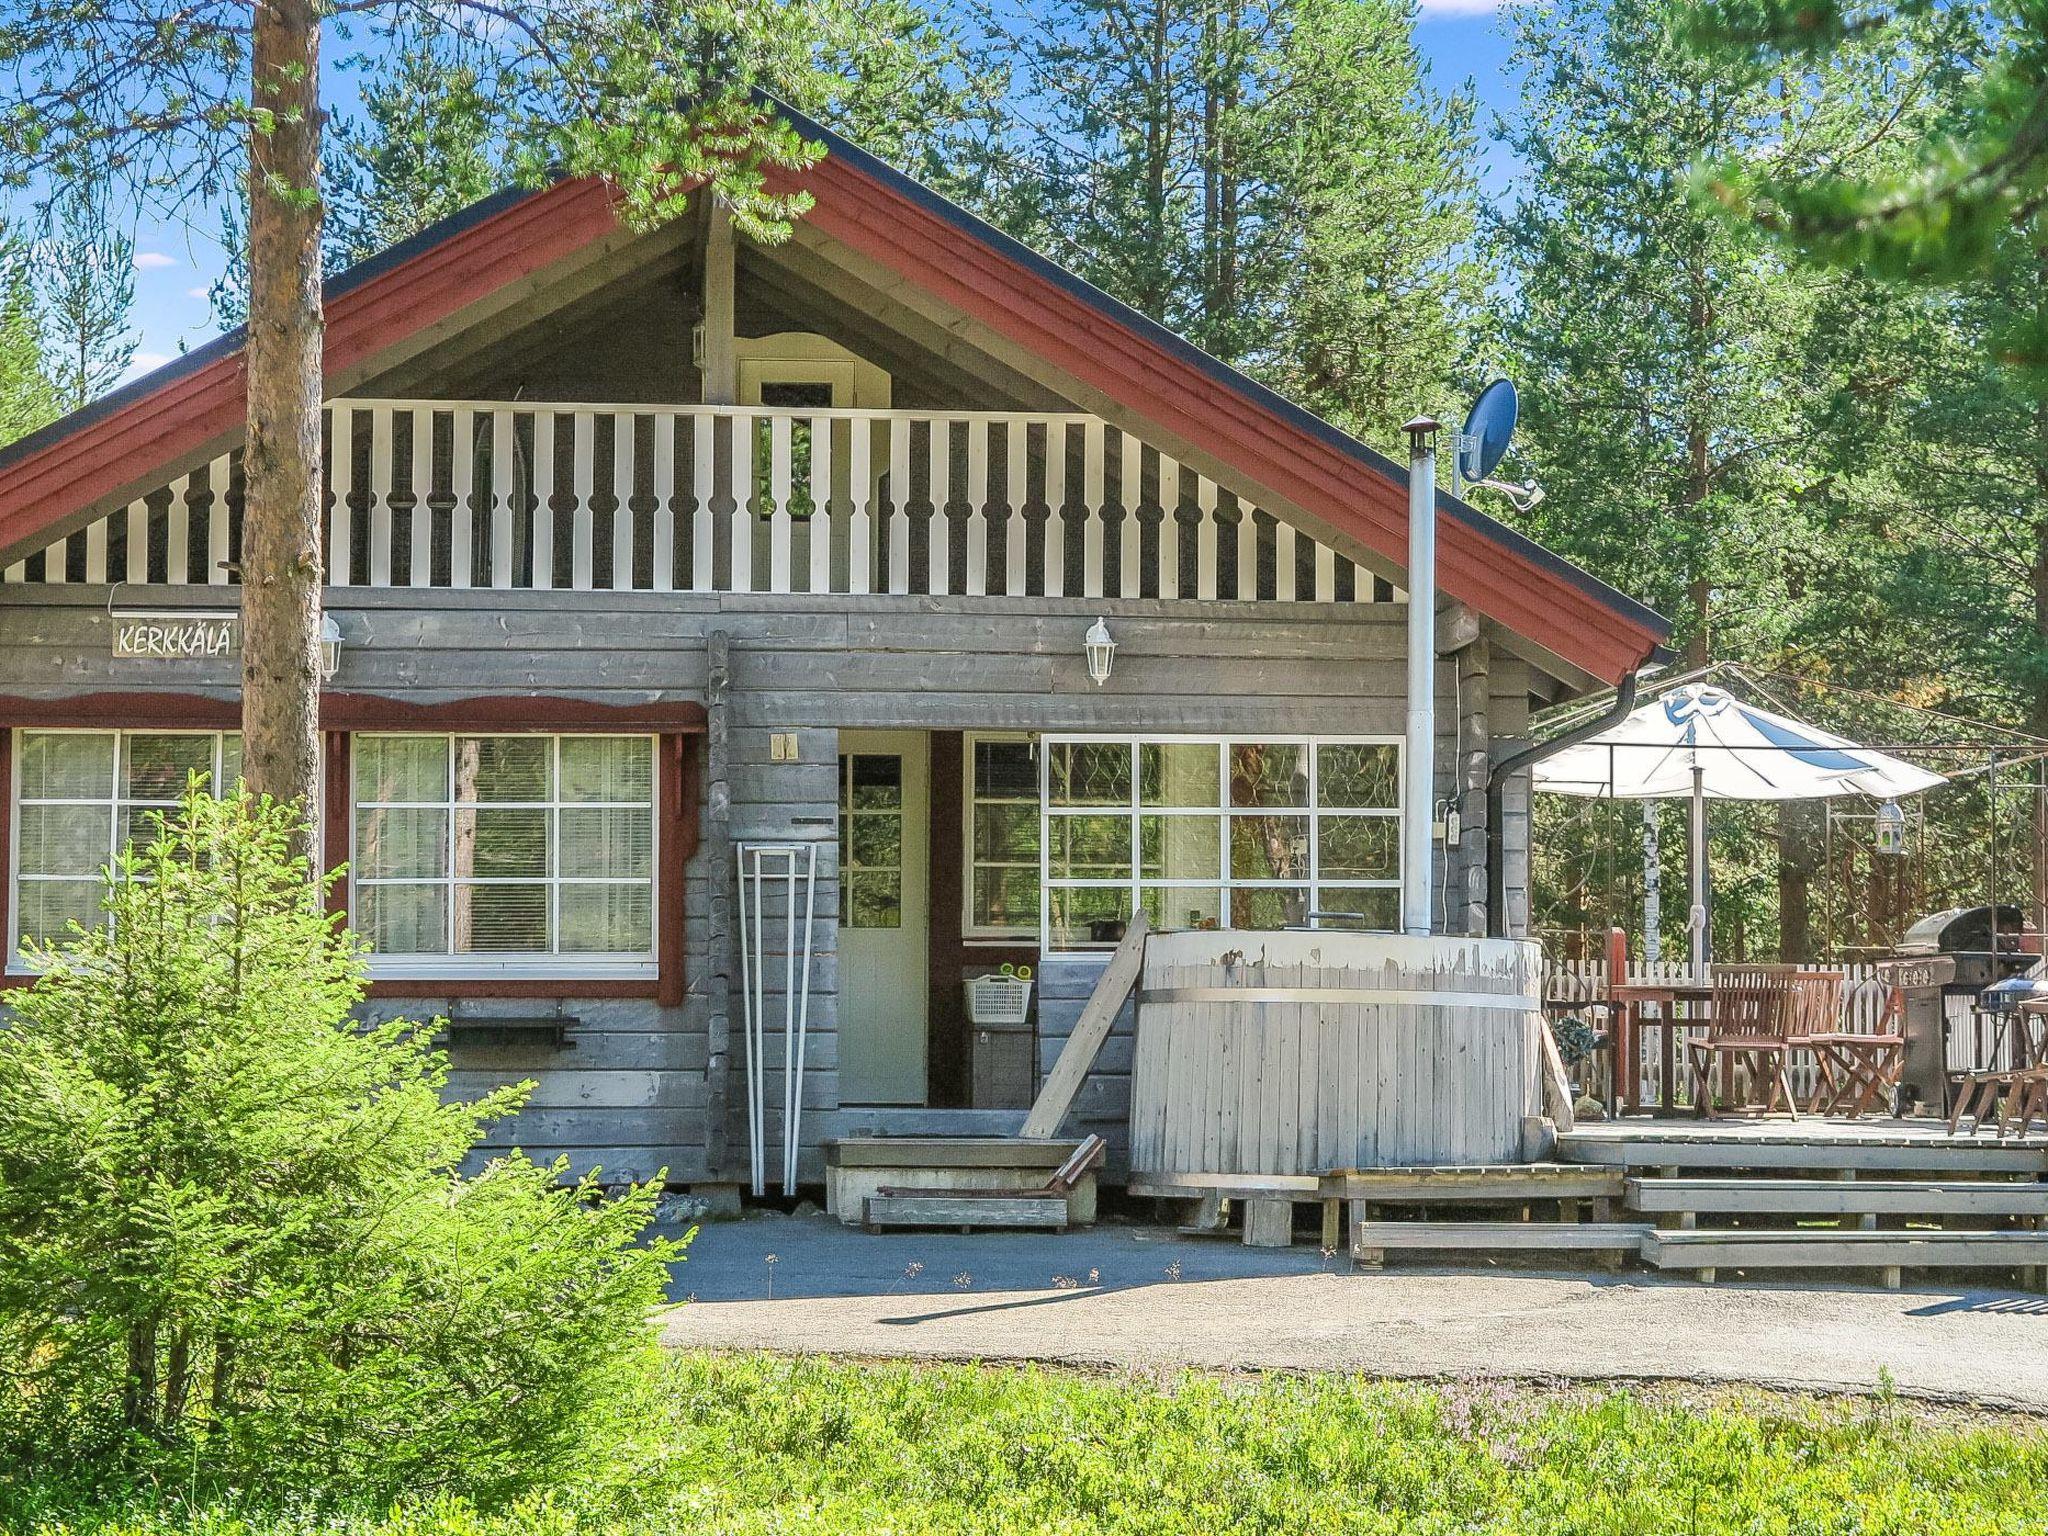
[[1225, 883], [533, 965], [970, 932], [16, 964]]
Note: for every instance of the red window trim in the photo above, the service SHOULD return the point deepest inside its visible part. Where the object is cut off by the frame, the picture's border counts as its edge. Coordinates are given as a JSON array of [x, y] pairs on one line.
[[678, 767]]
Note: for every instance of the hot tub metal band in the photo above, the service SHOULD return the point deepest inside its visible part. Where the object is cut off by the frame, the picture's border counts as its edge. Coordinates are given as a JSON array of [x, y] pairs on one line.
[[1496, 1000]]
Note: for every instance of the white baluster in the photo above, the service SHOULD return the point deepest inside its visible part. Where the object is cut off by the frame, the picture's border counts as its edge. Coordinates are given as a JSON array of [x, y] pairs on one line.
[[1056, 504], [860, 523], [15, 573], [380, 496], [939, 542], [1205, 539], [420, 550], [780, 529], [341, 471], [217, 522], [703, 531], [1247, 552], [462, 482], [543, 500], [977, 508], [96, 551], [138, 541], [1092, 449], [1169, 527], [1283, 562], [1131, 491], [1017, 463], [899, 504], [665, 502], [625, 521], [1326, 573], [820, 577], [178, 550], [504, 464], [57, 561], [582, 486], [740, 486]]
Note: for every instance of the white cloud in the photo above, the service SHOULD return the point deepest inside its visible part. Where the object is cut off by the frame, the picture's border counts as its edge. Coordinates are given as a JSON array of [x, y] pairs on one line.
[[145, 362], [201, 292], [1463, 7], [150, 261]]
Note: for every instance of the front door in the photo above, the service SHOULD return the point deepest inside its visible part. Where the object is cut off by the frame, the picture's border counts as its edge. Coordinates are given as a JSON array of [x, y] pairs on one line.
[[884, 816]]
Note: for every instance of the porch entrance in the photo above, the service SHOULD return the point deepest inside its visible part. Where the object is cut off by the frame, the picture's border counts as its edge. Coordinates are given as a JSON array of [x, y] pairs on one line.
[[884, 915]]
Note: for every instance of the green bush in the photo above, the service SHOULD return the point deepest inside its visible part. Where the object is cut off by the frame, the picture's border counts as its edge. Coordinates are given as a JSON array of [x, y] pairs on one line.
[[236, 1247]]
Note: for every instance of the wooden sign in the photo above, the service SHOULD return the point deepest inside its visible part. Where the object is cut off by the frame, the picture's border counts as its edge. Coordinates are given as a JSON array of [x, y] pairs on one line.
[[176, 636]]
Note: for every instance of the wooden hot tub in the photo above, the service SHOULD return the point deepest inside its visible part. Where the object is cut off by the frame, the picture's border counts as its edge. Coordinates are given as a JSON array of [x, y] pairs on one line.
[[1299, 1053]]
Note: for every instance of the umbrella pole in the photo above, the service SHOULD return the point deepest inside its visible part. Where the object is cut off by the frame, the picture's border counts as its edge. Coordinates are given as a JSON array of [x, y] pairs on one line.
[[1700, 953]]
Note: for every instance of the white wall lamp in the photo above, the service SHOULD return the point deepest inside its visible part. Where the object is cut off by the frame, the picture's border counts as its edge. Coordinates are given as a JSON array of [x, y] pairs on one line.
[[330, 647], [1101, 652]]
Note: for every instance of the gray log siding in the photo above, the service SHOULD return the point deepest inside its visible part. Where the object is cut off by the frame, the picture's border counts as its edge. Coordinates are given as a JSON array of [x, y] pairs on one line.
[[629, 1093]]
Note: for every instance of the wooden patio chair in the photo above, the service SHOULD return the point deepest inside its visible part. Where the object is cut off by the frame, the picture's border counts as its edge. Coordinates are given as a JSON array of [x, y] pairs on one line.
[[1856, 1070], [2016, 1094], [1749, 1027]]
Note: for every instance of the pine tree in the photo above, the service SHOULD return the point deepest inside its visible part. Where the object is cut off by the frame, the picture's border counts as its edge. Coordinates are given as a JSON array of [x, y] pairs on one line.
[[1667, 355], [85, 271], [1276, 180], [1942, 211], [28, 395]]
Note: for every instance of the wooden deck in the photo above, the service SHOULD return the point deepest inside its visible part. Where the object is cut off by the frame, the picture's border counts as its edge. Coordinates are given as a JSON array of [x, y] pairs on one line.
[[1809, 1143]]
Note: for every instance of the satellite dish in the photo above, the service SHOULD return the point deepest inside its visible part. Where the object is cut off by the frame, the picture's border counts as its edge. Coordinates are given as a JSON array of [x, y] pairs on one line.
[[1488, 427]]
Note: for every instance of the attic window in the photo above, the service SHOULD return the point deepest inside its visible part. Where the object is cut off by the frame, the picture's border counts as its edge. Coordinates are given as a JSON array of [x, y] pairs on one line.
[[797, 397]]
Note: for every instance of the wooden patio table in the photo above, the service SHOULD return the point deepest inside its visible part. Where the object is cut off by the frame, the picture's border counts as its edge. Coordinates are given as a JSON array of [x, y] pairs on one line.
[[1631, 999]]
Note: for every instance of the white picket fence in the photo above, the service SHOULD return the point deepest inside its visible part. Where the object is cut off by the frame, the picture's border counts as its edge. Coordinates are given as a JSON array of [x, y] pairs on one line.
[[441, 493]]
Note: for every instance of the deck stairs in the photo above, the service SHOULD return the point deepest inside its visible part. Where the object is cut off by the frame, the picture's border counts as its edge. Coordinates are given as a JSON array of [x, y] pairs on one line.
[[1716, 1200]]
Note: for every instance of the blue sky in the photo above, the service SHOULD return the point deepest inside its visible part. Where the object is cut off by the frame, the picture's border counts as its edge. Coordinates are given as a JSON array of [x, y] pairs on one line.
[[176, 262]]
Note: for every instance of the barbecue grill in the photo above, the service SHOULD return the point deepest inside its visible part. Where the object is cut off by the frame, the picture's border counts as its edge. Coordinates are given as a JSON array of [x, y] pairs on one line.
[[1958, 954]]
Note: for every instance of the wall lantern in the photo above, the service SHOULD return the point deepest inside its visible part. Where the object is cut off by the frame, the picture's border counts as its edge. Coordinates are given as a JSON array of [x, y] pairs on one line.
[[1101, 652], [330, 647]]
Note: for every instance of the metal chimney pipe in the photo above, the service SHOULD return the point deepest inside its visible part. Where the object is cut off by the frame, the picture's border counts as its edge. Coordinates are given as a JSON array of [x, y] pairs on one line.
[[1418, 779]]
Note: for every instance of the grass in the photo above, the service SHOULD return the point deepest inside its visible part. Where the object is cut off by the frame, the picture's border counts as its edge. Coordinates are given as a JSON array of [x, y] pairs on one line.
[[732, 1443]]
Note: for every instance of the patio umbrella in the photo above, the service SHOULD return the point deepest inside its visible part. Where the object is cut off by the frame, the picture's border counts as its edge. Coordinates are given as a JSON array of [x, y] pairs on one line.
[[1704, 743]]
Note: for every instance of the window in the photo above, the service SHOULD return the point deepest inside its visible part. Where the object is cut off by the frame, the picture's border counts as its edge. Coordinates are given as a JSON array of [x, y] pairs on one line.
[[870, 840], [1268, 833], [81, 796], [489, 850], [1002, 838]]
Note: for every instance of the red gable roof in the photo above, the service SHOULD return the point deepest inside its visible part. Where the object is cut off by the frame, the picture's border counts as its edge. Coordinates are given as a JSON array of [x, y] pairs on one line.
[[886, 217]]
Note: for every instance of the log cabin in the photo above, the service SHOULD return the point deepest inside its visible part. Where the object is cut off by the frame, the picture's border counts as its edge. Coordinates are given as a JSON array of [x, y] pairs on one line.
[[983, 609]]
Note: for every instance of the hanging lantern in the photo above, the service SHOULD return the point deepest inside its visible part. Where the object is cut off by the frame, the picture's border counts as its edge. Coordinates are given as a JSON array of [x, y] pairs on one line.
[[1891, 828]]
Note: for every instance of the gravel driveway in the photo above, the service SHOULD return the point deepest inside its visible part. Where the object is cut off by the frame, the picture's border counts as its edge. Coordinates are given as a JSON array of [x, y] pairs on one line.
[[1142, 1297]]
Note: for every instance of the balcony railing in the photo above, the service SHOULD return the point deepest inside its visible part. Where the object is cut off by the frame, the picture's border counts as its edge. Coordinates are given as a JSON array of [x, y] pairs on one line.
[[739, 499]]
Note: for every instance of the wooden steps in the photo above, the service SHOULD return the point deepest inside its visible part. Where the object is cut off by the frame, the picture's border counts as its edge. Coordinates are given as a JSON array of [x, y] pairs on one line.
[[1511, 1183], [1873, 1153], [1838, 1197], [1370, 1240], [1707, 1251], [964, 1211]]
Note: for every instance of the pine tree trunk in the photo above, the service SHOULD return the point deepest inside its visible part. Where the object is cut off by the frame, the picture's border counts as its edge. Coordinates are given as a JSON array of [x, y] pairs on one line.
[[1797, 860], [281, 571], [2037, 721]]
